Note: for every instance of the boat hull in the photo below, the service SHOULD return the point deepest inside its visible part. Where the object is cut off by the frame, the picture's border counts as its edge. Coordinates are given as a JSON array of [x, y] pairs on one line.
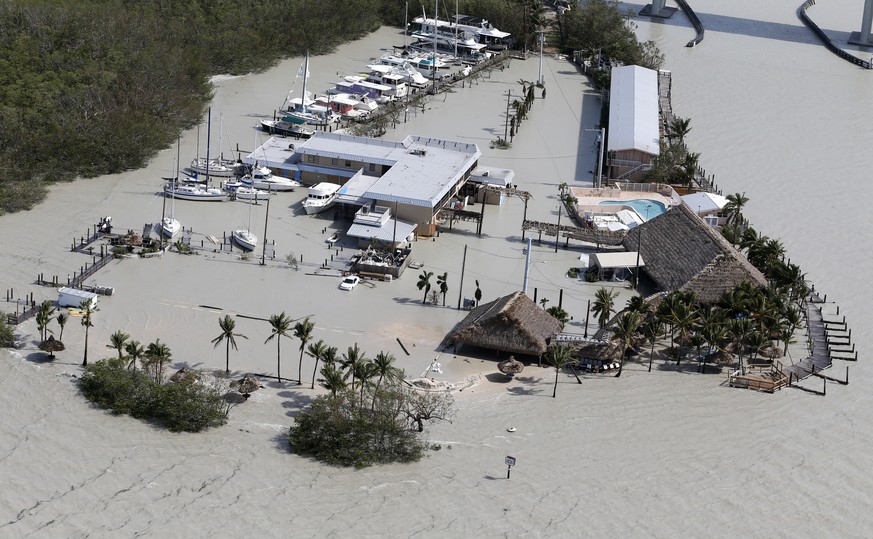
[[312, 209], [245, 239], [211, 195], [169, 228]]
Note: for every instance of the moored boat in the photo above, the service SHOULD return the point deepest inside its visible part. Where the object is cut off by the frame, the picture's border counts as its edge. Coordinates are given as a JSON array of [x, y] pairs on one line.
[[194, 192], [321, 197], [262, 178], [245, 239], [287, 129]]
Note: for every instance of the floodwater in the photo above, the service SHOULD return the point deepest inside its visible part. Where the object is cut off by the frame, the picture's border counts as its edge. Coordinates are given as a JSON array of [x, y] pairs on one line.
[[671, 453]]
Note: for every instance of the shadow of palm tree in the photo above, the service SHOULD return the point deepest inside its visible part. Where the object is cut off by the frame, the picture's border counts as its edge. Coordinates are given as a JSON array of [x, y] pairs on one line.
[[294, 402], [525, 391]]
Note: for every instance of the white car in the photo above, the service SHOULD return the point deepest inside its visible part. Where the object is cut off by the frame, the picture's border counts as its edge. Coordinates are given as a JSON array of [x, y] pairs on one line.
[[350, 282]]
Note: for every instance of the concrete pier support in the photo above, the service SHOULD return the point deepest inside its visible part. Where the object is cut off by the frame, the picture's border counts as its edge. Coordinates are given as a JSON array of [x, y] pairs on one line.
[[659, 9], [863, 37]]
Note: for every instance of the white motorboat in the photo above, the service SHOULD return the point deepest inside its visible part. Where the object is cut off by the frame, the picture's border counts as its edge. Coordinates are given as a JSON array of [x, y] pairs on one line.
[[244, 192], [194, 192], [321, 197], [399, 66], [262, 178]]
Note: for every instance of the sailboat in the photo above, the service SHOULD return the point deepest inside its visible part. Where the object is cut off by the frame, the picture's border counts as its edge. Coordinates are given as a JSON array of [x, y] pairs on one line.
[[170, 226], [306, 112], [244, 237], [209, 167]]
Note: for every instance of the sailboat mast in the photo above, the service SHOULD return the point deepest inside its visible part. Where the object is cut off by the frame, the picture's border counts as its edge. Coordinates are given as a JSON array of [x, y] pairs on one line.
[[305, 76], [405, 23], [208, 132], [436, 19], [176, 180], [456, 28]]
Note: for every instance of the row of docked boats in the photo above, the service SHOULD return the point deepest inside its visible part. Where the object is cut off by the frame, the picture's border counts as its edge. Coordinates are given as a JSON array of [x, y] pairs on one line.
[[438, 45]]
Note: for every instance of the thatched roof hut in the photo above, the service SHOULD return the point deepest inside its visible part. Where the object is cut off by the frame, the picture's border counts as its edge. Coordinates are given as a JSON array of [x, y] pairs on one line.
[[683, 252], [513, 324]]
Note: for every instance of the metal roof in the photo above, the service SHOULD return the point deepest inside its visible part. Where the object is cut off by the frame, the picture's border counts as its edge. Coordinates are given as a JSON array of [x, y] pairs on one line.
[[386, 232], [633, 110], [616, 260]]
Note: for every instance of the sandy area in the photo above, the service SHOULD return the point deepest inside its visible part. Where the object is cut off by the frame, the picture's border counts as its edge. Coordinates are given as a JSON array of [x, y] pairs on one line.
[[665, 454]]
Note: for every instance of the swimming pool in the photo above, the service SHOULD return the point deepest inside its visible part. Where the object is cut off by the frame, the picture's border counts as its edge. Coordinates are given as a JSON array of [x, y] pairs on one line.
[[641, 205]]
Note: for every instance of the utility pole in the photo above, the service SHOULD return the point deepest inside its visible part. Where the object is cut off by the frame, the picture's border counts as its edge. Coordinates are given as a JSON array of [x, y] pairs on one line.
[[506, 127], [266, 215], [542, 38], [558, 232], [461, 288]]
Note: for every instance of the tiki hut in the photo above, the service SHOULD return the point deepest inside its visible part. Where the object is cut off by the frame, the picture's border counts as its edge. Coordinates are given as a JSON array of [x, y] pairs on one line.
[[51, 345], [185, 375], [684, 253], [513, 324]]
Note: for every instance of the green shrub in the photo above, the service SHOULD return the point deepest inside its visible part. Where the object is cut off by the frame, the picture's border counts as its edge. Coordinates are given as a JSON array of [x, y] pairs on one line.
[[573, 273], [7, 339], [179, 407], [382, 427]]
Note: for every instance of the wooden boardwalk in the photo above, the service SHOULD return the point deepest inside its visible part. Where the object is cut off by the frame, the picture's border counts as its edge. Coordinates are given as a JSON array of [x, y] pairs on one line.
[[819, 353]]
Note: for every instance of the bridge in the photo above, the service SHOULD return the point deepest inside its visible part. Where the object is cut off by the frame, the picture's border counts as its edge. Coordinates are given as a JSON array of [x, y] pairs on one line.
[[659, 9]]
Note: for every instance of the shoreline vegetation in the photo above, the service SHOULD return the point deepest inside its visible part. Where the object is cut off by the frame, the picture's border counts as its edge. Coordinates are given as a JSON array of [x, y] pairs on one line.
[[99, 87]]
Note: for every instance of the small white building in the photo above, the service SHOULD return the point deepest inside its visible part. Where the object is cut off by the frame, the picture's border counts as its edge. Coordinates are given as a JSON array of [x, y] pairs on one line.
[[707, 205], [634, 132], [73, 297]]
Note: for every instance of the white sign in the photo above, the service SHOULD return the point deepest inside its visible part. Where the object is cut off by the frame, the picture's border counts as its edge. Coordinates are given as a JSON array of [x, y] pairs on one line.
[[510, 461]]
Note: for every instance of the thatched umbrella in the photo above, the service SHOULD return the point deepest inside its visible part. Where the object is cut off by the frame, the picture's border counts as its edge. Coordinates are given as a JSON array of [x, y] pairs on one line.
[[247, 386], [185, 376], [51, 345], [510, 366]]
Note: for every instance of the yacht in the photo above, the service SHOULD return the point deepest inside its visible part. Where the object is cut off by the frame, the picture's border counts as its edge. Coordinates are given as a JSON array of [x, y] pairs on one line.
[[321, 197], [241, 191], [262, 178]]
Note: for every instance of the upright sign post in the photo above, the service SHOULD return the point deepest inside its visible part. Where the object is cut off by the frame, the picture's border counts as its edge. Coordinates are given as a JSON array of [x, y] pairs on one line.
[[510, 462]]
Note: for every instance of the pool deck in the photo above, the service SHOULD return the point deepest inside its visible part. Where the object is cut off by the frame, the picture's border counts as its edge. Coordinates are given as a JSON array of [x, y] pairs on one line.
[[589, 199]]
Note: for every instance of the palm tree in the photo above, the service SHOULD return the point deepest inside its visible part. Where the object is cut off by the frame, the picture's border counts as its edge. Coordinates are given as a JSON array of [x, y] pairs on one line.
[[639, 305], [679, 128], [316, 351], [365, 372], [477, 294], [424, 283], [63, 316], [383, 365], [43, 317], [560, 357], [280, 324], [303, 331], [734, 208], [135, 351], [685, 318], [604, 303], [543, 302], [442, 281], [117, 340], [562, 187], [350, 361], [625, 330], [88, 309], [739, 330], [227, 325], [333, 379], [158, 353]]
